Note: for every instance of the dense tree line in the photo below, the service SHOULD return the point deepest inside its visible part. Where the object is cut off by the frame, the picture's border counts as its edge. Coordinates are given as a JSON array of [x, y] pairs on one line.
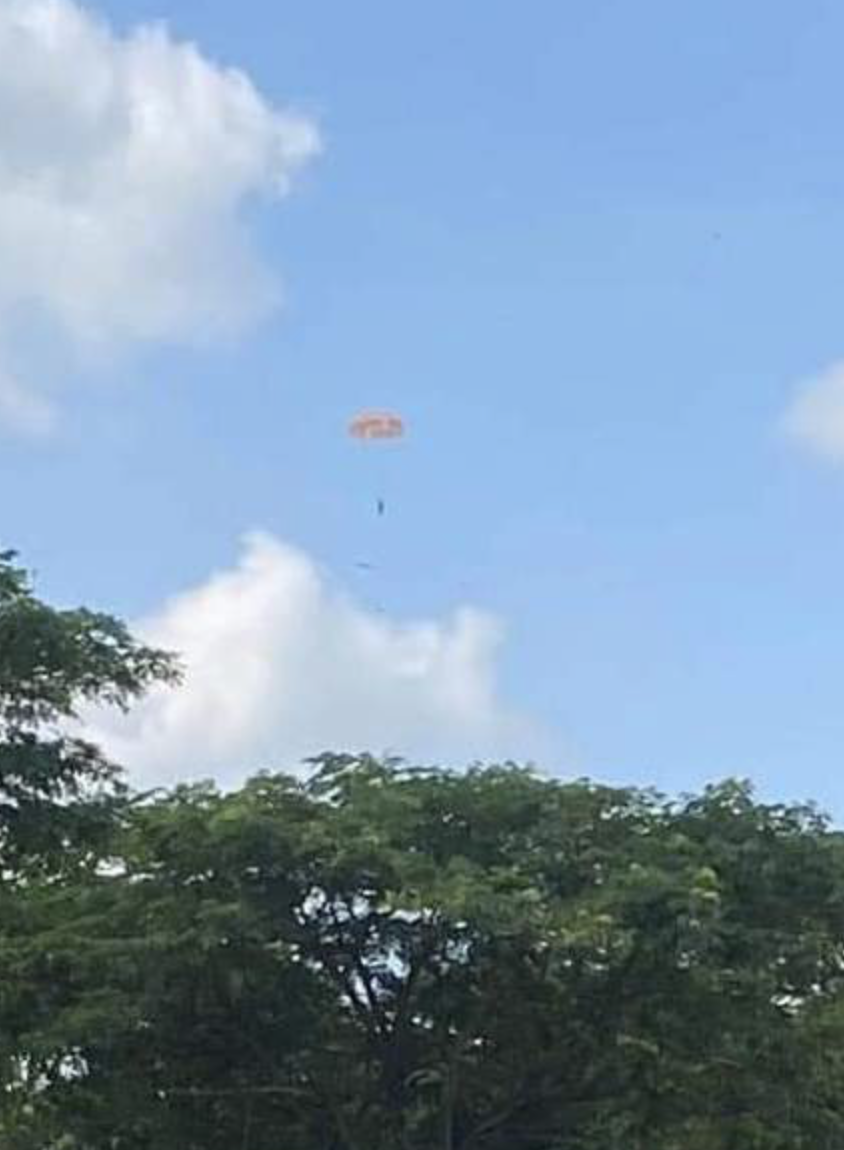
[[383, 957]]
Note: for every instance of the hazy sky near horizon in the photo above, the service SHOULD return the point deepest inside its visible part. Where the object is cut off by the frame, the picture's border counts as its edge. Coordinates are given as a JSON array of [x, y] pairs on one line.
[[592, 251]]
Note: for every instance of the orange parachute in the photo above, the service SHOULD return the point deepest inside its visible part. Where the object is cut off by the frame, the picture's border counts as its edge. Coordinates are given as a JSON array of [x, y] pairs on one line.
[[377, 425]]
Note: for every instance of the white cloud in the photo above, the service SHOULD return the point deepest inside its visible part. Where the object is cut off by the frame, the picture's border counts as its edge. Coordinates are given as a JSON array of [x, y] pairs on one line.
[[815, 417], [125, 163], [281, 665]]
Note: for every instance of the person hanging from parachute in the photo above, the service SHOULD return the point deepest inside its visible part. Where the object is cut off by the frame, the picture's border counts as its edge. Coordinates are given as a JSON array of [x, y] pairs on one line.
[[374, 427]]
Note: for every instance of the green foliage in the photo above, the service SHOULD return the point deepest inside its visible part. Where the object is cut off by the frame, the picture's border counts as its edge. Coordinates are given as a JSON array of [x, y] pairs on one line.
[[382, 957], [61, 803], [56, 789]]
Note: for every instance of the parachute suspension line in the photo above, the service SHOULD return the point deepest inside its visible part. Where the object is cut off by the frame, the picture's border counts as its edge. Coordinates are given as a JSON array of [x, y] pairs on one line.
[[377, 431], [374, 427]]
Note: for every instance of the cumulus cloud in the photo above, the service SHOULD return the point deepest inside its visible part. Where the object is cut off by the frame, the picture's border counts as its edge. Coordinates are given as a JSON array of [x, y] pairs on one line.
[[125, 164], [281, 664], [815, 417]]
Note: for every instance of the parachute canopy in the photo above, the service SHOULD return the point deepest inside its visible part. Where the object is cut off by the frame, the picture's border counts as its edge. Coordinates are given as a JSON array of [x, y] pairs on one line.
[[377, 425]]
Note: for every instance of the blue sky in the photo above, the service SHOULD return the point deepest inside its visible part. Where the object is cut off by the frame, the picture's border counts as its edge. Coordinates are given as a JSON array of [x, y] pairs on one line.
[[589, 250]]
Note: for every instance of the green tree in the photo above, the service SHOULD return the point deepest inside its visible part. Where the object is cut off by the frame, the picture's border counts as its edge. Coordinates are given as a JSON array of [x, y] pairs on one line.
[[61, 802], [383, 957], [56, 789]]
